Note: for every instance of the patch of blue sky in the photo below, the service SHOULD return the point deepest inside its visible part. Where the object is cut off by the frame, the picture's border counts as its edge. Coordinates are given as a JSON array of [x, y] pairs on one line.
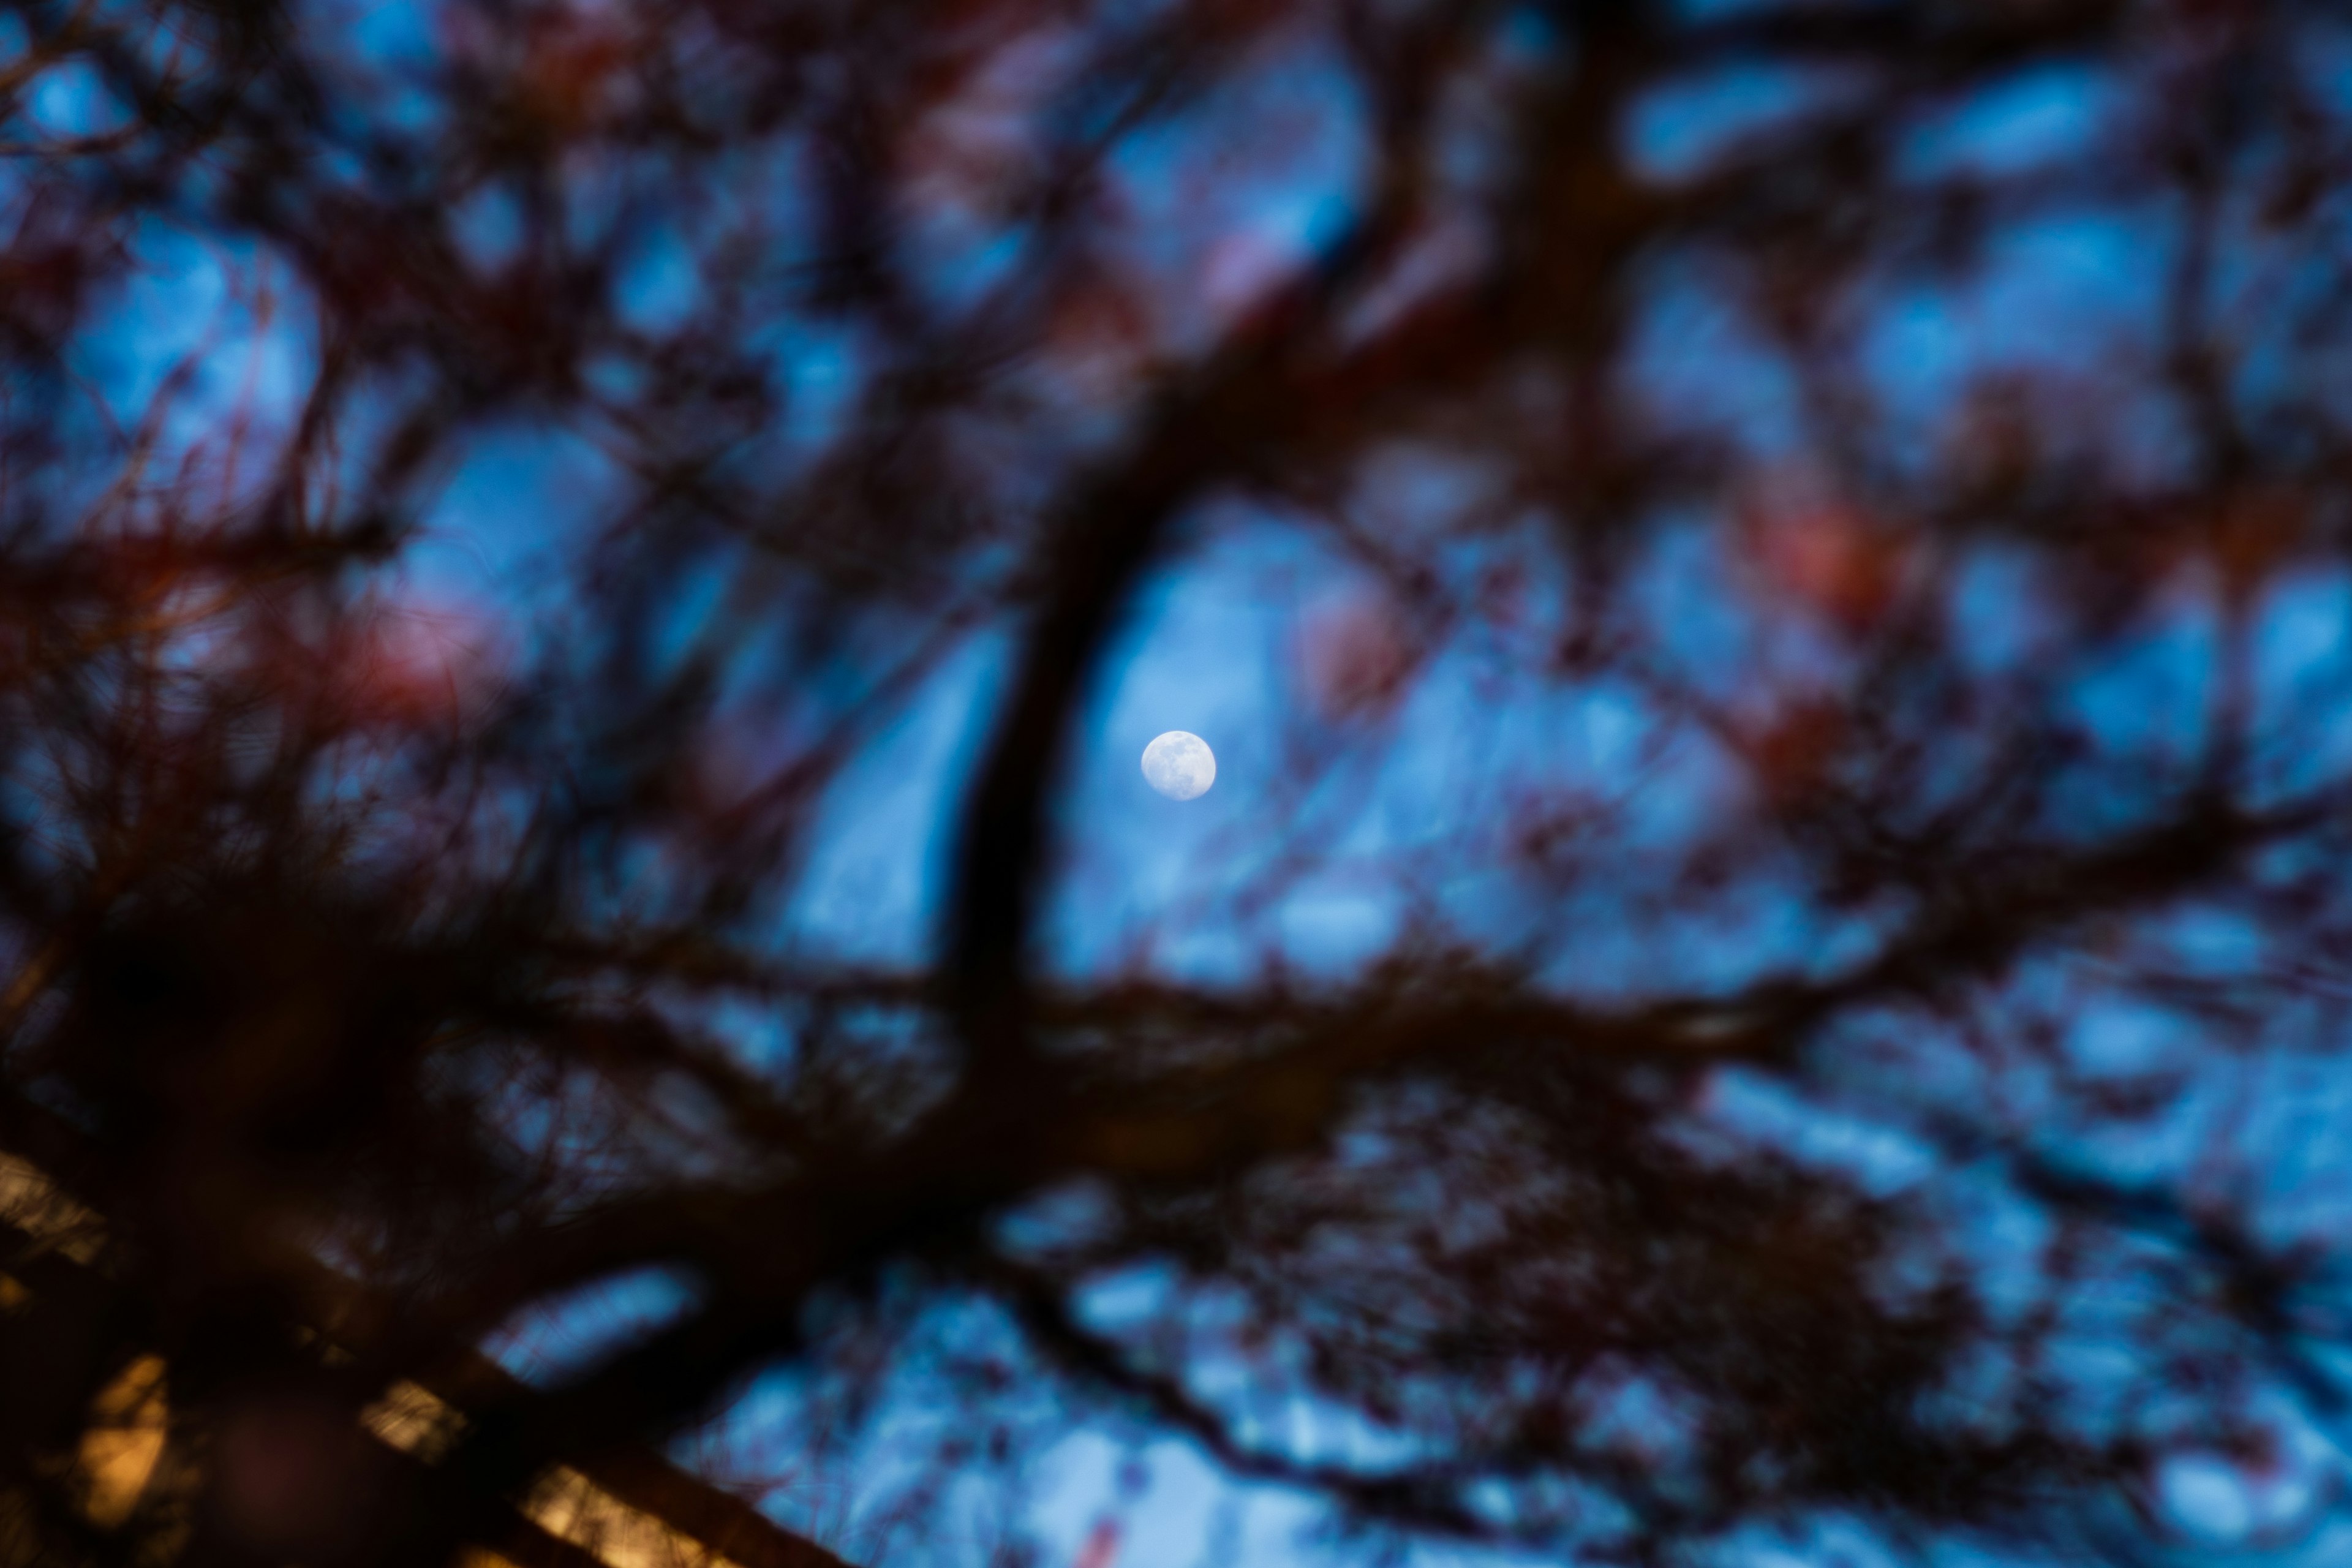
[[1609, 730], [2119, 1036], [71, 98], [394, 60], [2145, 706], [1630, 935], [2063, 288], [512, 519], [1903, 1061], [2119, 1289], [1178, 1511], [606, 194], [962, 262], [763, 1436], [2300, 670], [2050, 114], [2003, 1236], [2148, 438], [1529, 36], [2001, 618], [750, 1448], [1685, 128], [1331, 924], [1289, 1420], [1202, 648], [846, 678], [177, 288], [760, 1032], [2159, 1153], [548, 1340], [534, 1110], [2101, 1325], [1838, 1539], [486, 227], [2290, 1150], [1301, 83], [682, 628], [2229, 1502], [1411, 490], [1071, 1216], [1644, 1418], [821, 369], [659, 283], [1763, 924], [1695, 786], [1358, 822], [872, 887], [2322, 58], [1301, 225], [2205, 940], [389, 33], [2291, 1058], [2274, 311], [1609, 953], [1130, 1297], [1272, 166], [838, 1454], [229, 322], [1437, 765], [973, 159], [1604, 741], [1684, 595], [2205, 1496], [2045, 298], [1697, 367], [1916, 354], [2091, 1361], [617, 376]]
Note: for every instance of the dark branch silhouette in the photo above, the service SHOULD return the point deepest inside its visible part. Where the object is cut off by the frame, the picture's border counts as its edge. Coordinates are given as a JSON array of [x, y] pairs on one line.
[[1767, 966]]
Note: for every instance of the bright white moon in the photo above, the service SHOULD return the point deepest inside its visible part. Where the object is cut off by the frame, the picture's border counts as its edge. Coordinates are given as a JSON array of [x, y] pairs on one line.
[[1179, 765]]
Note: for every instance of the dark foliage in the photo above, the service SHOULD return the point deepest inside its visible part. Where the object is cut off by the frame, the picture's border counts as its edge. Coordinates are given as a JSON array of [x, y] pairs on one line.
[[1846, 500]]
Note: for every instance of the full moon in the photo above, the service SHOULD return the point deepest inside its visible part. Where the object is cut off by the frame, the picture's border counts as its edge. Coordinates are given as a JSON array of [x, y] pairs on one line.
[[1179, 765]]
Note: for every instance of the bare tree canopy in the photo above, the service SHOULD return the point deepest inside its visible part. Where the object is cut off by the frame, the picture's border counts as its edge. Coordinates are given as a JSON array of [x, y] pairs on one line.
[[1766, 970]]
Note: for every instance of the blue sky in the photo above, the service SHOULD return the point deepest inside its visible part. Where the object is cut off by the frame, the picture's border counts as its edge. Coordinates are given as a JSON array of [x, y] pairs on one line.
[[1340, 821]]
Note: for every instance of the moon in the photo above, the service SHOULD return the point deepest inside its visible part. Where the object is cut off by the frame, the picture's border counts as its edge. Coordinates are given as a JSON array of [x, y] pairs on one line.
[[1179, 765]]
